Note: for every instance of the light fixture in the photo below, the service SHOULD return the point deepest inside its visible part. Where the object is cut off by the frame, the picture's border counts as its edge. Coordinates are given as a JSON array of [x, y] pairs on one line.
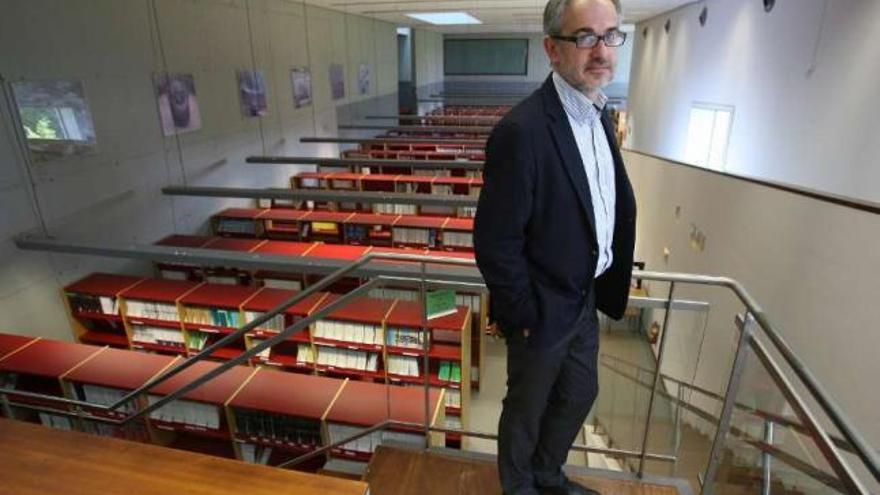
[[668, 25], [645, 33], [768, 5], [704, 15], [446, 18]]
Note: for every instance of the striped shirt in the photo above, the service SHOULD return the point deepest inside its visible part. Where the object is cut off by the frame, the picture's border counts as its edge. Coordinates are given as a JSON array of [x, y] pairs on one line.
[[584, 116]]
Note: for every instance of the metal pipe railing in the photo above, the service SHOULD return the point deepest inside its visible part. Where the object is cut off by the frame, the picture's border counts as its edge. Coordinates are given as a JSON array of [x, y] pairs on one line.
[[862, 449], [379, 162]]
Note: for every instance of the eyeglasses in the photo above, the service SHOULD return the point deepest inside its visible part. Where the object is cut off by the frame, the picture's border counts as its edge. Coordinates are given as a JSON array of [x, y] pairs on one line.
[[612, 38]]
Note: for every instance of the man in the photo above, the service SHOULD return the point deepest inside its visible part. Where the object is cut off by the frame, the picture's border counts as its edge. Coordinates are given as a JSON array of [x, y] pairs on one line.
[[554, 238]]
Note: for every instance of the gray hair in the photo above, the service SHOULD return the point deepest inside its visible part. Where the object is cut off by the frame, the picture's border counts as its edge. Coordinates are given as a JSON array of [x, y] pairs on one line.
[[553, 15]]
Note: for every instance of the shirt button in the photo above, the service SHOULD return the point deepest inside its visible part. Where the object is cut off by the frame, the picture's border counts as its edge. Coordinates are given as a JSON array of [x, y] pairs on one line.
[[594, 252]]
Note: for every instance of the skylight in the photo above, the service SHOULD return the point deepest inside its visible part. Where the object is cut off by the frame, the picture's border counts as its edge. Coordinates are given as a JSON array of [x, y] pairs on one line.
[[446, 18]]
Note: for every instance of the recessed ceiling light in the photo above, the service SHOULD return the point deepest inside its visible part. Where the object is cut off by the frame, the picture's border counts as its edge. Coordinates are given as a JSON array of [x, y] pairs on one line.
[[446, 18]]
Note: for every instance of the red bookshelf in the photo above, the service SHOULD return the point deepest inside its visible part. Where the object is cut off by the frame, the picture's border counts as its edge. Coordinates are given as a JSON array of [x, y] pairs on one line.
[[41, 364], [215, 393], [10, 343], [144, 326], [214, 310], [270, 394], [283, 354], [364, 404], [87, 301], [115, 369], [185, 241]]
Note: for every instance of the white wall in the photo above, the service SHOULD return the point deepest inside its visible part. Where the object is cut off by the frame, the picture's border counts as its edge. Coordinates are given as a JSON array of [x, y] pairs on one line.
[[428, 47], [809, 264], [114, 48], [802, 79]]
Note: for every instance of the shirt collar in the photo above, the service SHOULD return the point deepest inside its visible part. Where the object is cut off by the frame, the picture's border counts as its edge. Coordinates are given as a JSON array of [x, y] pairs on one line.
[[577, 104]]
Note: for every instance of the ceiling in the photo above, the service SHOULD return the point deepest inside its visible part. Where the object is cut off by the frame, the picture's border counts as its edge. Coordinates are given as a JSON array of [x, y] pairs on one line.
[[498, 16]]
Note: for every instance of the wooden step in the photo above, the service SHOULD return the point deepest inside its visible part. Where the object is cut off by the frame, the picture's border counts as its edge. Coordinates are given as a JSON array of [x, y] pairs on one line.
[[39, 460], [399, 471]]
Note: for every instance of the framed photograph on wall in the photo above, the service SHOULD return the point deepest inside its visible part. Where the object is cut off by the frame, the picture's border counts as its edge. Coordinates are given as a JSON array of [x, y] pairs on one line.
[[178, 106], [337, 81], [55, 118], [301, 82], [252, 92], [364, 79]]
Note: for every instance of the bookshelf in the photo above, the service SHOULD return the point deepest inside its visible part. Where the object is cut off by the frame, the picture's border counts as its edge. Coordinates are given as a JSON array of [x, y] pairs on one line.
[[37, 366], [277, 412], [297, 352], [177, 271], [94, 310], [282, 223], [198, 420], [105, 378], [369, 229], [449, 356], [349, 341], [238, 222], [11, 343], [212, 311], [282, 280], [384, 228], [152, 317], [361, 405]]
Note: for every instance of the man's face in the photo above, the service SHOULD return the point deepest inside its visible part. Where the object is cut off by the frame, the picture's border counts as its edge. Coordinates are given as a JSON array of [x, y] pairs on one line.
[[587, 69]]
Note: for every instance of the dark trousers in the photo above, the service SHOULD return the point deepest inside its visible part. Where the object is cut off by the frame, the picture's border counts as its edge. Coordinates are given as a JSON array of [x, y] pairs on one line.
[[549, 393]]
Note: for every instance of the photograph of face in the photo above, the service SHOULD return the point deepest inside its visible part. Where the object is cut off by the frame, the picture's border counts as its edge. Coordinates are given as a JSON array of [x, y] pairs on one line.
[[252, 91], [364, 79], [337, 81], [55, 118], [178, 106], [301, 81]]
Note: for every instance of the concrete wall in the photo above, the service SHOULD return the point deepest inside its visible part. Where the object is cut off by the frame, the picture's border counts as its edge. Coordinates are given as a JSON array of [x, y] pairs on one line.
[[808, 263], [428, 47], [802, 79], [114, 195]]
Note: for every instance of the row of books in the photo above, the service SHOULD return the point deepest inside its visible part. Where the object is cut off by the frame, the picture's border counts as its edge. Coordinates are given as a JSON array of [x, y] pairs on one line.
[[407, 337], [458, 239], [134, 431], [344, 331], [237, 226], [450, 371], [368, 443], [187, 412], [362, 233], [266, 425], [212, 316], [146, 334], [56, 421], [347, 358], [105, 396], [196, 341], [403, 365], [395, 209], [254, 453], [151, 310], [406, 235], [84, 303], [276, 324]]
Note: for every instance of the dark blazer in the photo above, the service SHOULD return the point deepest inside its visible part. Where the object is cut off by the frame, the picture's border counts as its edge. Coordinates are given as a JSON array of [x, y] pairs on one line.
[[534, 233]]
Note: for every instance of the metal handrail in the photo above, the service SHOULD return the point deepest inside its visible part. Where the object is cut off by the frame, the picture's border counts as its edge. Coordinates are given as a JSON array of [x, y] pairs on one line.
[[760, 413], [765, 447], [759, 319]]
